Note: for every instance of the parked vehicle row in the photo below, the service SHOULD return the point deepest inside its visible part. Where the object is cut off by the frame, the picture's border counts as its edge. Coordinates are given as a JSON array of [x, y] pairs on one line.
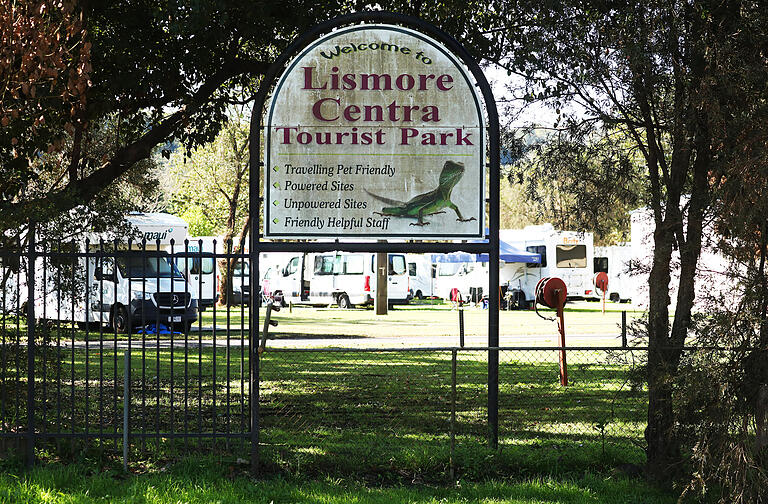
[[183, 275]]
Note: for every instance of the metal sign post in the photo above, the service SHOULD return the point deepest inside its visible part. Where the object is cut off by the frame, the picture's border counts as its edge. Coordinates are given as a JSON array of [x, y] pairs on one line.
[[340, 164]]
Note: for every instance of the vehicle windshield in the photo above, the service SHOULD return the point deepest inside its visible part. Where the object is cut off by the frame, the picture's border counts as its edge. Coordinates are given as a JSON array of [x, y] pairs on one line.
[[147, 267], [241, 269]]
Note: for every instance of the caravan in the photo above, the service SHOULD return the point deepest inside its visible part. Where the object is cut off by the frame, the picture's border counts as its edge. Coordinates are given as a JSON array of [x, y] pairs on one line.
[[342, 278], [564, 254], [615, 261], [136, 284]]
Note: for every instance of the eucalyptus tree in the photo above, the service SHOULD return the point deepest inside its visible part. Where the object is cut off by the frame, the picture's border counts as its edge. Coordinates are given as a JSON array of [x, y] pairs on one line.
[[679, 80]]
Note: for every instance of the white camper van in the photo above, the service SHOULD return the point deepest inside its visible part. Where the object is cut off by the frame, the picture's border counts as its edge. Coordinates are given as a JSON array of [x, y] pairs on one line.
[[468, 274], [343, 278], [615, 261], [200, 267], [128, 287], [469, 279], [421, 275], [564, 254]]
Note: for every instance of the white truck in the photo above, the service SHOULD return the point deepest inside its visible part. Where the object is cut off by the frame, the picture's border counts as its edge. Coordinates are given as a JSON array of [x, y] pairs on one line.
[[564, 254], [125, 288], [343, 278], [615, 261]]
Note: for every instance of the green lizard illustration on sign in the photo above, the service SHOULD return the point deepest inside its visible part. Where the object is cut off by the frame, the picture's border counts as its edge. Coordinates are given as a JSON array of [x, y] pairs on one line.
[[429, 203]]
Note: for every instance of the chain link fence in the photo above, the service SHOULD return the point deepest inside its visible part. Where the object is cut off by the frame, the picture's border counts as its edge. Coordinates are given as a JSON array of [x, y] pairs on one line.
[[322, 408]]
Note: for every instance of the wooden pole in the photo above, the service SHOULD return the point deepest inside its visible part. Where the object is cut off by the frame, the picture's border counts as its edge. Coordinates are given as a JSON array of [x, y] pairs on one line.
[[381, 283], [563, 363]]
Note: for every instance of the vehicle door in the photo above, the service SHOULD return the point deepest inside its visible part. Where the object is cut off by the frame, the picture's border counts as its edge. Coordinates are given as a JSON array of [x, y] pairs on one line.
[[397, 278], [323, 281], [290, 281], [104, 288]]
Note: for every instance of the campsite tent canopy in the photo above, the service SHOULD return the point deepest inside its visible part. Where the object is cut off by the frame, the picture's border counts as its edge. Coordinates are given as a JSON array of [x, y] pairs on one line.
[[507, 253]]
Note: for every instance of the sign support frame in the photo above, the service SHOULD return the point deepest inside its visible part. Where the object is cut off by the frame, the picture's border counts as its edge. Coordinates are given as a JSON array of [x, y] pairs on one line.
[[491, 246]]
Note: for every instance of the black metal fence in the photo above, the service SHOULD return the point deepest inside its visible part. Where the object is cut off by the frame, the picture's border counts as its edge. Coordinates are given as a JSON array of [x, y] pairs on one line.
[[72, 312], [103, 346]]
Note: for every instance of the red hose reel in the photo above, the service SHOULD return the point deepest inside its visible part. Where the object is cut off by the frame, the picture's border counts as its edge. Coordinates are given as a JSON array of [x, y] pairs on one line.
[[552, 293]]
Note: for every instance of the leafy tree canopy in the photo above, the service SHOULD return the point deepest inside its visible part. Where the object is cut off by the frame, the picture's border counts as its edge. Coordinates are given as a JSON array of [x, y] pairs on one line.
[[156, 69]]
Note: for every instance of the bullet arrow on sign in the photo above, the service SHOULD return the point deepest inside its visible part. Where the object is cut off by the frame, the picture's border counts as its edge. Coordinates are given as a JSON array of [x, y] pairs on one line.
[[275, 168], [276, 185], [276, 202], [275, 220]]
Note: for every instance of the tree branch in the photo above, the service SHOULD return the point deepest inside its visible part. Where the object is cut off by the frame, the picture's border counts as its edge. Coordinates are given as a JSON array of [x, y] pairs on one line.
[[81, 191]]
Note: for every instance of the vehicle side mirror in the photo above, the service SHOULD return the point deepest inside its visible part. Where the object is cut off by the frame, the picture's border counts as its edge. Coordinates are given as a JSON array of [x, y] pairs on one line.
[[99, 275]]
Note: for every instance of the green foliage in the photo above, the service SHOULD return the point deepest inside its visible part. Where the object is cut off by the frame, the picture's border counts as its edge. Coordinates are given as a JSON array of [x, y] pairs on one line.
[[209, 184], [199, 224], [163, 70], [587, 182]]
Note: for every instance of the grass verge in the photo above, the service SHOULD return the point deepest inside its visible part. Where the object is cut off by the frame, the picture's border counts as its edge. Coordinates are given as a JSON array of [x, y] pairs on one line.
[[210, 480]]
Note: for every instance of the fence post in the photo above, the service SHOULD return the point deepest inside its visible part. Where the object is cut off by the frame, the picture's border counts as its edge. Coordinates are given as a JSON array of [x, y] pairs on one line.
[[452, 461], [461, 327], [30, 448], [126, 402], [624, 328]]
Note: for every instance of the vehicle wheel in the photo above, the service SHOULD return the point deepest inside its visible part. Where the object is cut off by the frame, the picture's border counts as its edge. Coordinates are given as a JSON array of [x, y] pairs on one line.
[[614, 297], [518, 300], [343, 301], [419, 294], [121, 320]]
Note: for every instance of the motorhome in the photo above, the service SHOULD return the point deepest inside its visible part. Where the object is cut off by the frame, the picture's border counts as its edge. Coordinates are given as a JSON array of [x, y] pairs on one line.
[[564, 254], [421, 275], [713, 280], [136, 284], [341, 278], [614, 260]]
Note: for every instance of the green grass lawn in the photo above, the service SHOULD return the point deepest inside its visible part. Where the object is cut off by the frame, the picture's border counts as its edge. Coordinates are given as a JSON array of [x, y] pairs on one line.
[[383, 417], [336, 426], [220, 481]]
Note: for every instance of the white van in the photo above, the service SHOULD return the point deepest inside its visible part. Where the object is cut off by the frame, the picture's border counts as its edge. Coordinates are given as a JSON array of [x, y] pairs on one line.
[[200, 267], [470, 279], [126, 288], [615, 261], [421, 275], [567, 255], [343, 278]]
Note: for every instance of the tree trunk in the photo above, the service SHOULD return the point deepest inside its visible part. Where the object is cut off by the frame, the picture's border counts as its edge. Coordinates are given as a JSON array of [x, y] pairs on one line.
[[662, 450], [227, 265]]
